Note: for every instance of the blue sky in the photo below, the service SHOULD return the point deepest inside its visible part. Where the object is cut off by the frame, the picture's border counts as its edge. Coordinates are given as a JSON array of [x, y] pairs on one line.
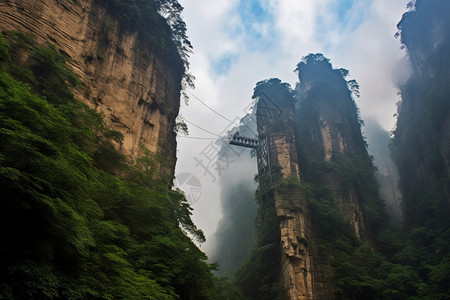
[[257, 26], [255, 16], [238, 43], [347, 10]]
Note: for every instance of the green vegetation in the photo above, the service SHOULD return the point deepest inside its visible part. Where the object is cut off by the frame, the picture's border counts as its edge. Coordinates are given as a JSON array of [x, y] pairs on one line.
[[77, 221], [259, 277], [381, 264]]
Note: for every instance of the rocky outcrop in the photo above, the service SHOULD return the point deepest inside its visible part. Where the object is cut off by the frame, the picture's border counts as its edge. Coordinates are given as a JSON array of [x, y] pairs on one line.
[[137, 91], [333, 130]]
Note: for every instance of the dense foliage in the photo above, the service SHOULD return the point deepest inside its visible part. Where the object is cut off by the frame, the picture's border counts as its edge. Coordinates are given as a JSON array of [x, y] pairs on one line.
[[325, 89], [77, 221], [259, 277], [360, 271]]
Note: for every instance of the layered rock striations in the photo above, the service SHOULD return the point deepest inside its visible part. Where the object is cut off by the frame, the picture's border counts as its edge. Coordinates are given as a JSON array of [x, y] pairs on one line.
[[334, 161], [137, 90]]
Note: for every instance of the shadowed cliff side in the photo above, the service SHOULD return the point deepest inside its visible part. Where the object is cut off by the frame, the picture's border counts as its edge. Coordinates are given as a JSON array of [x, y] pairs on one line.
[[336, 170], [322, 229], [421, 144], [421, 138], [331, 133], [78, 221], [79, 218]]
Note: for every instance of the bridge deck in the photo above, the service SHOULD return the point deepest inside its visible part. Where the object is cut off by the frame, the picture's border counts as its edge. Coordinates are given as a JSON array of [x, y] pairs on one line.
[[244, 141]]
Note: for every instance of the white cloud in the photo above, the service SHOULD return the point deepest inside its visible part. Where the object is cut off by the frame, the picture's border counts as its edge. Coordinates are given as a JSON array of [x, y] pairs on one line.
[[365, 47], [296, 21]]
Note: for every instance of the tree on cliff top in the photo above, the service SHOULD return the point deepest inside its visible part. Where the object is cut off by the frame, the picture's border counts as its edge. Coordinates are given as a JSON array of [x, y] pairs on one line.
[[315, 66]]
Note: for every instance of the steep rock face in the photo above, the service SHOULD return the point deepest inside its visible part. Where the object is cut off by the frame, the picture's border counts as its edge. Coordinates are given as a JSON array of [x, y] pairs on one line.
[[333, 158], [330, 134], [276, 124], [304, 274], [334, 136], [314, 170], [137, 91], [422, 140], [422, 30]]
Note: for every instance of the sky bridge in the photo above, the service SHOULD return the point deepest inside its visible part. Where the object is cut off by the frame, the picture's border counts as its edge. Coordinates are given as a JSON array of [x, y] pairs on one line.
[[244, 141]]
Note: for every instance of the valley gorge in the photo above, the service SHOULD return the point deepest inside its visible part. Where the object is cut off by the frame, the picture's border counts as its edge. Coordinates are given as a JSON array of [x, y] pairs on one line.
[[89, 98]]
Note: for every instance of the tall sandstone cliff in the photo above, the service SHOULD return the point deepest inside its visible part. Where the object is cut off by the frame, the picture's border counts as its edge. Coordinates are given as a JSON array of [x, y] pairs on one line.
[[137, 90], [276, 123]]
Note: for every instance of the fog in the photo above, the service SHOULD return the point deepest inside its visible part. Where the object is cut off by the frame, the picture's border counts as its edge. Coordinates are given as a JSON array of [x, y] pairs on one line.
[[238, 43], [387, 175]]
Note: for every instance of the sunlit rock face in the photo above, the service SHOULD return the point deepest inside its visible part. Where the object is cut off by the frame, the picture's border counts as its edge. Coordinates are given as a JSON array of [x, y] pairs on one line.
[[137, 91]]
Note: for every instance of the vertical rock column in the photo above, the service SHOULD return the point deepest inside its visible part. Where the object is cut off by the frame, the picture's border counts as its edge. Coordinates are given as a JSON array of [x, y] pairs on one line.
[[276, 126]]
